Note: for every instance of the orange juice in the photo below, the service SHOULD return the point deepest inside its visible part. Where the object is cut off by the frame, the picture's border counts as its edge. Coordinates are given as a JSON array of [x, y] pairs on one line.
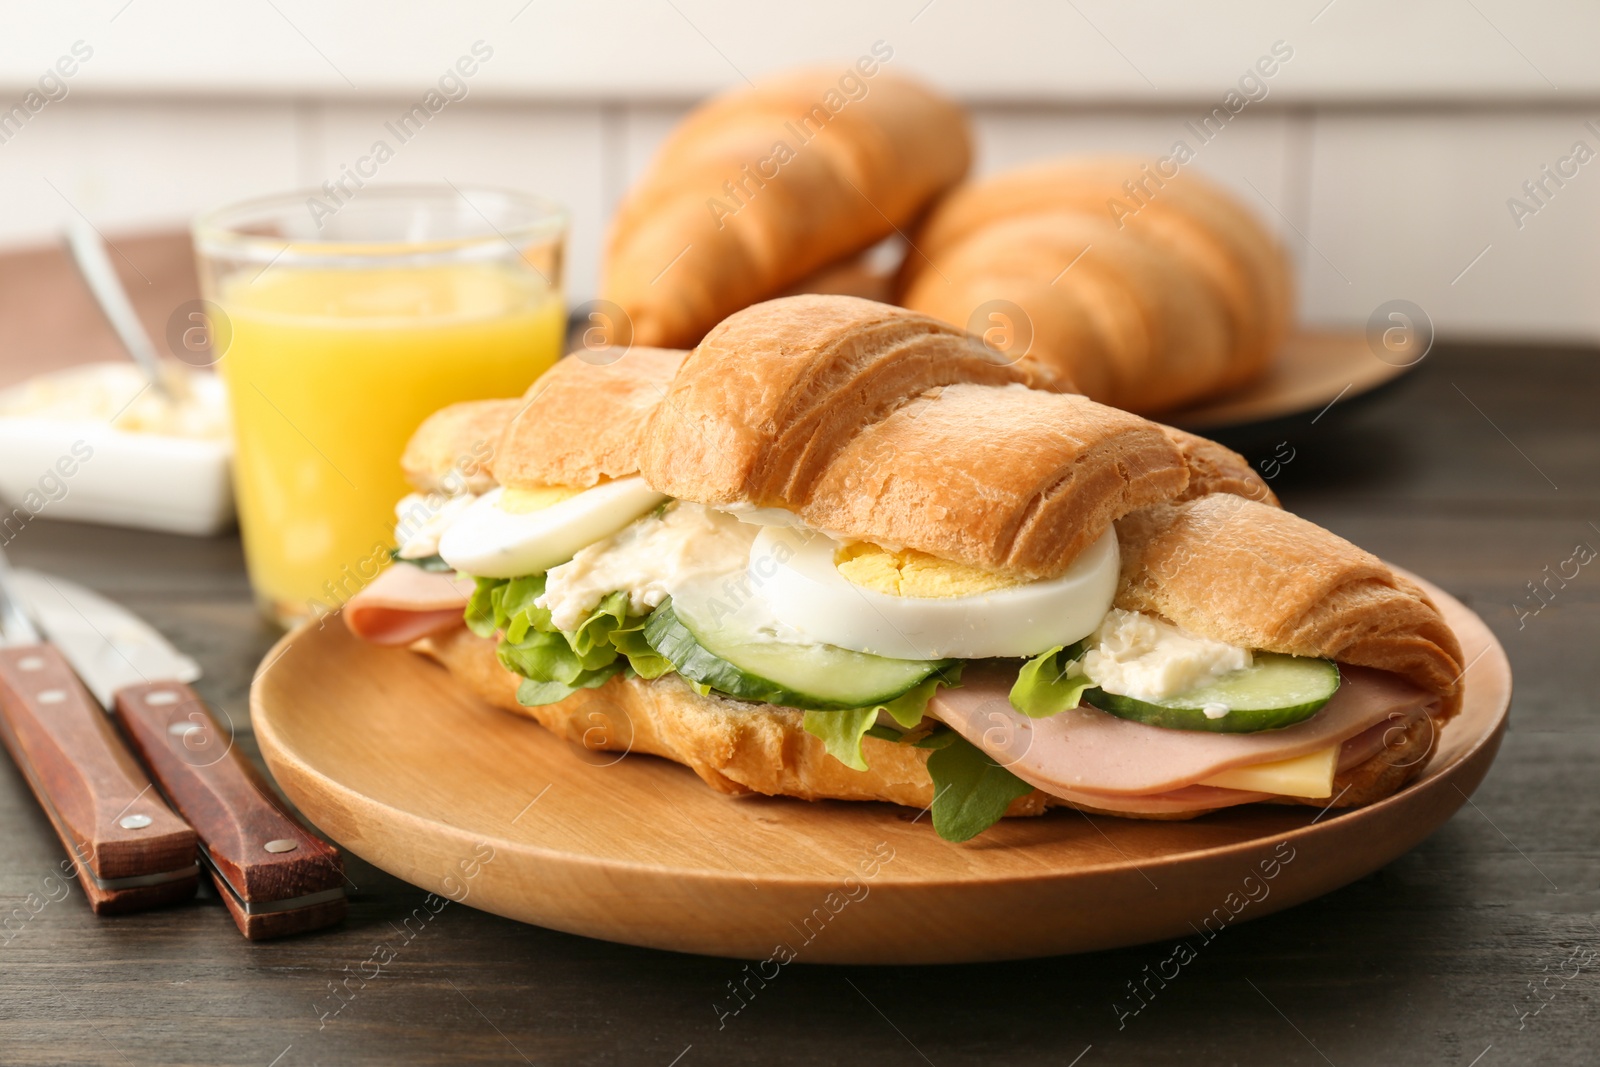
[[329, 371]]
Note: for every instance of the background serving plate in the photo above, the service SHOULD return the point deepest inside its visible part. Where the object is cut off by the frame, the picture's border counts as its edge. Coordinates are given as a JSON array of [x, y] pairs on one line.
[[381, 750], [1312, 371]]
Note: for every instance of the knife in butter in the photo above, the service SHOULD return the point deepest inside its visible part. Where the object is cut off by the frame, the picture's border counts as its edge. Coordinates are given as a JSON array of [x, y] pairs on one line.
[[130, 851], [275, 876]]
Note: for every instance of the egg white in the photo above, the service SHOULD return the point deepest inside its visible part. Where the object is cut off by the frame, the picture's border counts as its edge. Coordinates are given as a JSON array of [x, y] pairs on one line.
[[794, 571], [488, 541]]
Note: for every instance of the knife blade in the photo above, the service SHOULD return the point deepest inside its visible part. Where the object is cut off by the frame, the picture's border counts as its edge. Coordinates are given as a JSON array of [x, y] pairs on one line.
[[275, 876], [129, 849]]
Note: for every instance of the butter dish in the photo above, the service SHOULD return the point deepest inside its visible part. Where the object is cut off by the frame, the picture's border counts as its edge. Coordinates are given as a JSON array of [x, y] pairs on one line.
[[94, 443]]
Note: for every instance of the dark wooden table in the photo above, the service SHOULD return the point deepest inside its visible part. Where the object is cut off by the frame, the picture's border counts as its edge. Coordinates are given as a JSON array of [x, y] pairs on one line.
[[1481, 948]]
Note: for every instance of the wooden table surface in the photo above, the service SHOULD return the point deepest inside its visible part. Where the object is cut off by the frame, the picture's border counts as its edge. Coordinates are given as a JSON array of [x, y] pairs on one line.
[[1480, 471]]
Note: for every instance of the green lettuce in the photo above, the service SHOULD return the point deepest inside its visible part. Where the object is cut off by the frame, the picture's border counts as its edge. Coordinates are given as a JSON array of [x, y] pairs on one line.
[[532, 694], [483, 607], [841, 731], [1051, 682], [428, 563], [970, 790], [645, 661], [556, 663]]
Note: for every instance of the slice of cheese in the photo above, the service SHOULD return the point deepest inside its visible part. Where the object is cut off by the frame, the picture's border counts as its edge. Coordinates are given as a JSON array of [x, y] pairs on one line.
[[1310, 775]]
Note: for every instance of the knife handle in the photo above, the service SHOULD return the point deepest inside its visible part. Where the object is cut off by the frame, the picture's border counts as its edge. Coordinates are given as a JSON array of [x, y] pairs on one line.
[[265, 863], [130, 850]]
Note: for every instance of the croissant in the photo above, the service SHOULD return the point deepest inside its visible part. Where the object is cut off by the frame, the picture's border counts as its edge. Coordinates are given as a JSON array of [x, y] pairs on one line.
[[1150, 291], [579, 422], [759, 188], [1216, 469], [874, 423], [452, 450]]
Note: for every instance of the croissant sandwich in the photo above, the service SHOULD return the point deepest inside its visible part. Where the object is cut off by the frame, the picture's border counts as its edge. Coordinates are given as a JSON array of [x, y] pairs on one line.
[[1145, 284], [759, 189], [838, 552]]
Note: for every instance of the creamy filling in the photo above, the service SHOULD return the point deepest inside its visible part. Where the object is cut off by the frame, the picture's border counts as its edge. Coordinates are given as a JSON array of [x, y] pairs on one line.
[[1137, 655], [422, 518], [648, 560]]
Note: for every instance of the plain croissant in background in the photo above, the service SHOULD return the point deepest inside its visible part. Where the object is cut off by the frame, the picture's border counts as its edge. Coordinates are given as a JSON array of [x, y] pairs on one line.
[[1149, 290], [759, 188]]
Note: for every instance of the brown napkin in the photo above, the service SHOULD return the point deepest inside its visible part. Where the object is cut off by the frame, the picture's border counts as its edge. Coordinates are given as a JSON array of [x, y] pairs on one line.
[[48, 320]]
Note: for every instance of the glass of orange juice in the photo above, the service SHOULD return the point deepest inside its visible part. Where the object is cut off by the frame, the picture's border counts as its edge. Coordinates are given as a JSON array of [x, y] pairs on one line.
[[339, 326]]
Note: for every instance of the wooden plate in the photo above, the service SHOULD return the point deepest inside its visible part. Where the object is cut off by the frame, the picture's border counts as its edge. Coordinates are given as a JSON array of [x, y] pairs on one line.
[[1311, 372], [381, 750]]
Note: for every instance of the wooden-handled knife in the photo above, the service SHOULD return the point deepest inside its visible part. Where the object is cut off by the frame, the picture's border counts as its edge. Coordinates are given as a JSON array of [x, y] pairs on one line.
[[129, 849], [275, 876]]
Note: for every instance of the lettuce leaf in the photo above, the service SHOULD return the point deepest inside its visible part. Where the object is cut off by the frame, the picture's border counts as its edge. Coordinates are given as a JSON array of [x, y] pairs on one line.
[[532, 694], [1051, 682], [841, 731], [970, 790], [483, 610], [556, 663], [629, 640]]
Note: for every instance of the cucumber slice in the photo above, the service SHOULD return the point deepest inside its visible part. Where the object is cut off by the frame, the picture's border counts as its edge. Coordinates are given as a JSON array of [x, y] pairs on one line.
[[733, 658], [1273, 692]]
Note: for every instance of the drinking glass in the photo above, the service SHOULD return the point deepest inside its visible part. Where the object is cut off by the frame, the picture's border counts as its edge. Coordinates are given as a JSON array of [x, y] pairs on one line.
[[339, 325]]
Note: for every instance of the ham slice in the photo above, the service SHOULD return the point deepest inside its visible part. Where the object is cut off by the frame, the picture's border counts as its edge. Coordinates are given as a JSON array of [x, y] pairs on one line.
[[406, 603], [1385, 735], [1176, 802], [1091, 757]]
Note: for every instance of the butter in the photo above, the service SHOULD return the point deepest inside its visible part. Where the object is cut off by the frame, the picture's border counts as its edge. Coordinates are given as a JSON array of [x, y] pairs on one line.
[[1140, 656], [910, 573], [1310, 775], [649, 560], [118, 393]]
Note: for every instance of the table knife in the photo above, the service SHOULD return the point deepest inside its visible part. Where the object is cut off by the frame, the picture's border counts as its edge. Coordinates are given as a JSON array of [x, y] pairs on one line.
[[275, 876], [129, 849]]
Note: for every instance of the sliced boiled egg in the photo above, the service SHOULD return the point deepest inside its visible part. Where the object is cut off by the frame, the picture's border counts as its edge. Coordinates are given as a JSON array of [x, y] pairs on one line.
[[908, 605], [509, 533]]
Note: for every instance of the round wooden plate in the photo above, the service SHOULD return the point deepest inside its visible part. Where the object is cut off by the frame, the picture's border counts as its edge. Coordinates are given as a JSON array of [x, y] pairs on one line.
[[391, 759], [1311, 372]]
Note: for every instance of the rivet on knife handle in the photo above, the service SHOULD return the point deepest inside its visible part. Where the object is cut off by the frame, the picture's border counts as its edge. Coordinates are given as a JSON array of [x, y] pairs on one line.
[[132, 852], [275, 876]]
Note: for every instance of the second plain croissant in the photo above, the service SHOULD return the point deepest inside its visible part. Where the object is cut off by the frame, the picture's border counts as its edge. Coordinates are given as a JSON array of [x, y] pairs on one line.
[[1150, 290]]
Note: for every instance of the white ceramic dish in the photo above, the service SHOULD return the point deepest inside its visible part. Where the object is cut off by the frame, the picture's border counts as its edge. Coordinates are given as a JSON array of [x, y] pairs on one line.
[[87, 470]]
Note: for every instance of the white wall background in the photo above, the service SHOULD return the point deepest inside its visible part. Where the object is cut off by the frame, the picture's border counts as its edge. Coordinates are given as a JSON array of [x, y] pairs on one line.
[[1384, 153]]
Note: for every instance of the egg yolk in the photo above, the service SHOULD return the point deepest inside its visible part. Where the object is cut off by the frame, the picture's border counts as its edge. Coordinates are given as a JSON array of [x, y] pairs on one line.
[[536, 498], [915, 574]]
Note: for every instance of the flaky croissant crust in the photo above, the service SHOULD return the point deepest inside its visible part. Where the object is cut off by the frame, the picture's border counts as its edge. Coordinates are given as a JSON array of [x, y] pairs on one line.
[[879, 424], [1241, 571]]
